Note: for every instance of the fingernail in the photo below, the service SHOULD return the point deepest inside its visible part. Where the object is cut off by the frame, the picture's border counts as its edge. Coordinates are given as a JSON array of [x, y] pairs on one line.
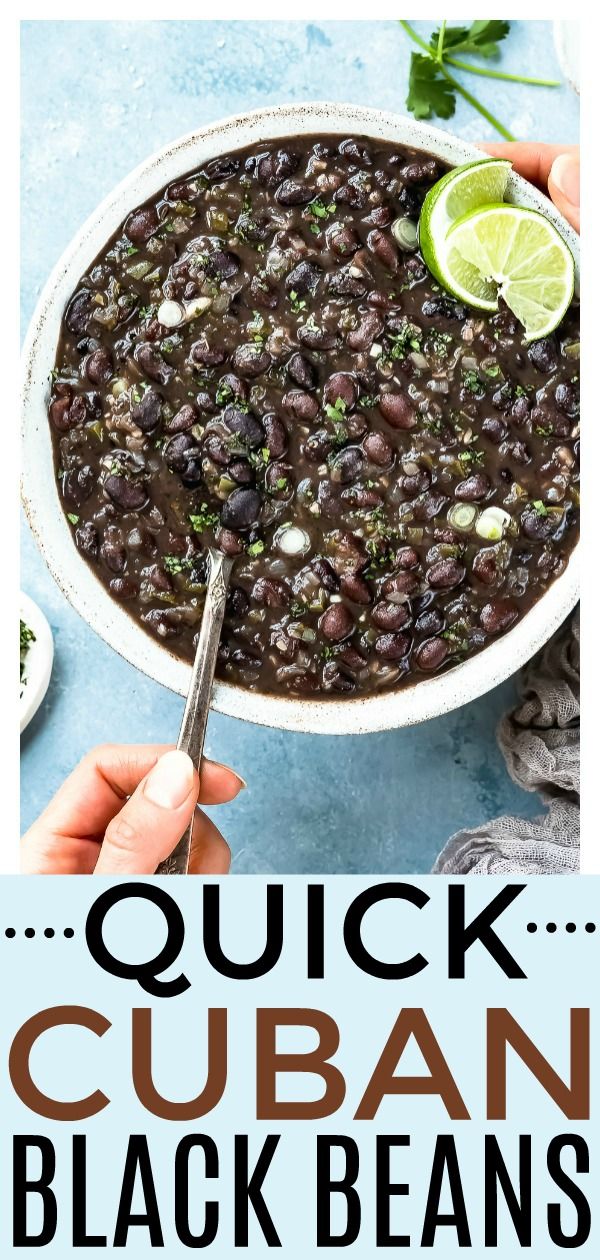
[[565, 174], [222, 766], [170, 781]]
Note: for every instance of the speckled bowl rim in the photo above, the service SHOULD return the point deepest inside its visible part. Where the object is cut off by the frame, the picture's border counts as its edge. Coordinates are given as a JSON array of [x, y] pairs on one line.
[[429, 697]]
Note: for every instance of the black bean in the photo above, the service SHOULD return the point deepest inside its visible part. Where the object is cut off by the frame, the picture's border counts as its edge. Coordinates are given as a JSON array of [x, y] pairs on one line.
[[443, 307], [342, 284], [220, 169], [241, 510], [356, 589], [271, 168], [407, 558], [337, 623], [567, 399], [241, 471], [221, 264], [161, 623], [278, 480], [336, 678], [326, 574], [355, 152], [429, 506], [316, 338], [318, 446], [146, 413], [112, 550], [377, 449], [271, 592], [182, 420], [430, 654], [130, 496], [141, 225], [398, 586], [300, 405], [229, 542], [77, 485], [123, 588], [79, 312], [446, 574], [245, 425], [388, 616], [362, 338], [86, 538], [429, 622], [99, 366], [498, 615], [329, 499], [262, 295], [351, 194], [473, 488], [207, 355], [152, 363], [398, 410], [392, 647], [276, 438], [544, 354], [343, 240], [292, 193], [536, 525], [301, 371], [495, 429], [237, 604], [341, 385], [303, 279], [485, 566], [413, 484], [251, 359], [384, 248], [347, 465], [421, 171]]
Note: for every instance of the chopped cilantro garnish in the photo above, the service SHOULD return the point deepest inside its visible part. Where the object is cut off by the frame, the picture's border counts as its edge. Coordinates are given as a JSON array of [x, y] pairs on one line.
[[297, 304], [203, 519], [255, 548], [73, 518], [540, 507]]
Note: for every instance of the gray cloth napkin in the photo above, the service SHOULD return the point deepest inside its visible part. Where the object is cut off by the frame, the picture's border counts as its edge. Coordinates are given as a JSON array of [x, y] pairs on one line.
[[540, 742]]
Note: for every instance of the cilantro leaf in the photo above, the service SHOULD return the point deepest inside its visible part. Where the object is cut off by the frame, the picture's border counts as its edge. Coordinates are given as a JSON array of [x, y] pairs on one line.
[[480, 38], [429, 92]]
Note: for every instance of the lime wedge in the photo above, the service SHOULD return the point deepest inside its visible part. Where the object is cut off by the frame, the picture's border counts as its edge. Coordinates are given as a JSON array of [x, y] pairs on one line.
[[519, 255], [457, 193]]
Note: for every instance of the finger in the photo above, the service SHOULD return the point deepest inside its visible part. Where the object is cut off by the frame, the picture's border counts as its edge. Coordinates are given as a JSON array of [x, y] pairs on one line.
[[564, 187], [147, 828], [531, 160], [95, 791], [210, 853]]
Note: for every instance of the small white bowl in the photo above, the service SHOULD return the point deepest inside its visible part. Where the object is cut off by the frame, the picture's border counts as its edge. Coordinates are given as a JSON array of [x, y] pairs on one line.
[[38, 660], [380, 711]]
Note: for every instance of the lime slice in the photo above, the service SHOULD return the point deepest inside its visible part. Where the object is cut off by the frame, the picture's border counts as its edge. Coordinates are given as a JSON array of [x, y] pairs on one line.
[[463, 189], [520, 255]]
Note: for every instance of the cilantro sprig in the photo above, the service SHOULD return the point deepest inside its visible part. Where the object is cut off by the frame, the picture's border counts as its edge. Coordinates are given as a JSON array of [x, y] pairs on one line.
[[432, 90]]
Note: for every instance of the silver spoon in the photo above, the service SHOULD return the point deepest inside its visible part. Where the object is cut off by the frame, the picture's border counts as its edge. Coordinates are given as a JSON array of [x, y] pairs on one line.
[[195, 714]]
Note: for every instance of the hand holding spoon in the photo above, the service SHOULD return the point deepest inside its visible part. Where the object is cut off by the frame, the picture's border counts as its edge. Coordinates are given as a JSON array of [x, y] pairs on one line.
[[195, 715]]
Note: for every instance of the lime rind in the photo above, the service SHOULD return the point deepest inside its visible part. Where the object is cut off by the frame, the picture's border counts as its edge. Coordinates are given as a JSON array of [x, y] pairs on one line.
[[520, 254], [457, 193]]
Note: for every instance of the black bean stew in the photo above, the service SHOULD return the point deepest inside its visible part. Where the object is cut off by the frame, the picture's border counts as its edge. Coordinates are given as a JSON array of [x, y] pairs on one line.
[[260, 358]]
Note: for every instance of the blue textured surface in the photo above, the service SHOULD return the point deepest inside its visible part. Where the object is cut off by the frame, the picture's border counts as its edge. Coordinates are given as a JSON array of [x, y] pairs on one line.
[[97, 97]]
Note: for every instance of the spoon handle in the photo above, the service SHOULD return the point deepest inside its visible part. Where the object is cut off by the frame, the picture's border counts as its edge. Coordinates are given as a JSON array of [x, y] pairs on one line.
[[195, 715]]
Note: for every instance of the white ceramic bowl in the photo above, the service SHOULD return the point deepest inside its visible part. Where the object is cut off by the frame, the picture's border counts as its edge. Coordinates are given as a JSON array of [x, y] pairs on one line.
[[431, 696]]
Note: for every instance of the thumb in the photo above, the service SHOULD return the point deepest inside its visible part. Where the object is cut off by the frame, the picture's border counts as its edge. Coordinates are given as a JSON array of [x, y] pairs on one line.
[[563, 186], [154, 818]]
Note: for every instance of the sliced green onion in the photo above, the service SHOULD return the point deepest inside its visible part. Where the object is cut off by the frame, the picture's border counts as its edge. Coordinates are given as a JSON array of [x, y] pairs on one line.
[[492, 523], [462, 516], [404, 232]]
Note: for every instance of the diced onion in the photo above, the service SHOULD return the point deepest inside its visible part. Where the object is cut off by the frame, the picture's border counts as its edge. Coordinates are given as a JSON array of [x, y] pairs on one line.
[[292, 541], [462, 516], [492, 523], [197, 306], [404, 232], [169, 314]]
